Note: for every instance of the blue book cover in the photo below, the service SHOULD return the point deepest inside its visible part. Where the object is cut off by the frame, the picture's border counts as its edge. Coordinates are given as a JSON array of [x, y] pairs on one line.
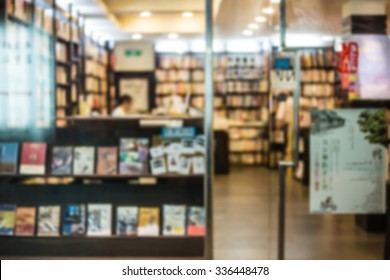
[[8, 158], [7, 219], [74, 222]]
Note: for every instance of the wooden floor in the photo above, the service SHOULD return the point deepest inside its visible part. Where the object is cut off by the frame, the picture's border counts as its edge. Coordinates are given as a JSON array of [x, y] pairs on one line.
[[245, 222]]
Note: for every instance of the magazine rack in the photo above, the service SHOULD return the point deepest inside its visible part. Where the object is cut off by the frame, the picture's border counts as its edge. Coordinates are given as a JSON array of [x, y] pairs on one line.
[[118, 190]]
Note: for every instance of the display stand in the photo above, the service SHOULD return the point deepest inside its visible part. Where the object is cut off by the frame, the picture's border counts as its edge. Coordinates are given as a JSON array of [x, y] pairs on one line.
[[117, 190]]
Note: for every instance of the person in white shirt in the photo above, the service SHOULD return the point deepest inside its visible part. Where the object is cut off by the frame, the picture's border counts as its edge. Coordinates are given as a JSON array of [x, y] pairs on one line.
[[123, 108]]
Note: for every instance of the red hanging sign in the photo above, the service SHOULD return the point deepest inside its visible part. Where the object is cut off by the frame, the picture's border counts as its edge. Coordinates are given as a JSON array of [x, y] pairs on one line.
[[349, 58]]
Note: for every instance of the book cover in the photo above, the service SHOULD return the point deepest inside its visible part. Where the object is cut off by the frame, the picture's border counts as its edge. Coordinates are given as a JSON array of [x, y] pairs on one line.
[[196, 225], [173, 163], [185, 165], [8, 158], [84, 160], [99, 220], [198, 165], [7, 219], [107, 163], [49, 220], [134, 156], [74, 222], [127, 220], [174, 217], [33, 158], [157, 166], [200, 144], [25, 221], [149, 222], [62, 160]]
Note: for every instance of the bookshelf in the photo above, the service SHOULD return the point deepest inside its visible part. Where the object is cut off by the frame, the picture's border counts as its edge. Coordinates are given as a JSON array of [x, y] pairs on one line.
[[117, 190], [241, 82], [321, 90]]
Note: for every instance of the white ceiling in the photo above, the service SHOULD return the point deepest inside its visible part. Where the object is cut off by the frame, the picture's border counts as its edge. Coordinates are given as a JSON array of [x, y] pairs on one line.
[[119, 19]]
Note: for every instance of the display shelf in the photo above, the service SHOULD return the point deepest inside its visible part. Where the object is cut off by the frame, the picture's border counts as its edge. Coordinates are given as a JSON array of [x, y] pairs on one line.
[[116, 190], [97, 176], [137, 247]]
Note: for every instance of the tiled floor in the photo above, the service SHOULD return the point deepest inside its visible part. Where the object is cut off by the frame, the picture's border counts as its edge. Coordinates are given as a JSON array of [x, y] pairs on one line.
[[245, 222]]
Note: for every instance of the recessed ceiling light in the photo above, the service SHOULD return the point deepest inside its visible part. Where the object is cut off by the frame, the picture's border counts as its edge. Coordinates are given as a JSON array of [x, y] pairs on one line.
[[145, 14], [275, 1], [187, 14], [173, 36], [247, 32], [137, 36], [260, 19], [268, 10], [253, 26]]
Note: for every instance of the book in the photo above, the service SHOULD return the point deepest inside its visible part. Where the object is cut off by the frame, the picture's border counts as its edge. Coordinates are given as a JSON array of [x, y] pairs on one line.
[[157, 166], [25, 221], [126, 220], [134, 156], [62, 160], [33, 160], [157, 152], [196, 221], [74, 220], [49, 220], [174, 218], [99, 220], [200, 146], [185, 165], [187, 146], [8, 158], [198, 165], [107, 163], [84, 159], [149, 222], [7, 219], [173, 163]]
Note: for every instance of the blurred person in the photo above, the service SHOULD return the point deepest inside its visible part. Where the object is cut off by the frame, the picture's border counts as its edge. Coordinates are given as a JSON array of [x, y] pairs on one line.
[[124, 106]]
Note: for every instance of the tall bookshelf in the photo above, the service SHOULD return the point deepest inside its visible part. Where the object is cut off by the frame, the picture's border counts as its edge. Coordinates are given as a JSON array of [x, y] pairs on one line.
[[241, 83], [321, 90]]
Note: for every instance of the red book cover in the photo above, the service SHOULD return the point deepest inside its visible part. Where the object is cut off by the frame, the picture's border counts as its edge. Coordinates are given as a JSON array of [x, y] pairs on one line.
[[33, 158]]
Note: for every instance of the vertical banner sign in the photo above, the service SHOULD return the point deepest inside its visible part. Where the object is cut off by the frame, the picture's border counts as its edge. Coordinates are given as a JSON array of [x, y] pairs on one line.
[[348, 161]]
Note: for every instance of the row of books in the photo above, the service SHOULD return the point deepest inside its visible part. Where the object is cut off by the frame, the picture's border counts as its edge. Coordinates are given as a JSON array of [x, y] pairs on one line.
[[246, 101], [132, 158], [318, 90], [318, 59], [182, 75], [96, 220], [249, 145], [96, 52], [246, 132], [61, 52], [245, 87], [245, 115], [220, 61], [220, 75], [180, 88], [248, 159], [328, 76]]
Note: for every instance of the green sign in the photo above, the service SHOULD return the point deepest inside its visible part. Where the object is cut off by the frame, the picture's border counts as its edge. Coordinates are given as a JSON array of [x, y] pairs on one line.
[[134, 52]]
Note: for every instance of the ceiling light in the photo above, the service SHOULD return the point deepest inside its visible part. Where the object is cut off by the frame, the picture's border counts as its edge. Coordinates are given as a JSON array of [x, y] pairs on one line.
[[137, 36], [260, 19], [187, 15], [253, 26], [173, 36], [268, 10], [247, 32], [145, 14], [275, 1]]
